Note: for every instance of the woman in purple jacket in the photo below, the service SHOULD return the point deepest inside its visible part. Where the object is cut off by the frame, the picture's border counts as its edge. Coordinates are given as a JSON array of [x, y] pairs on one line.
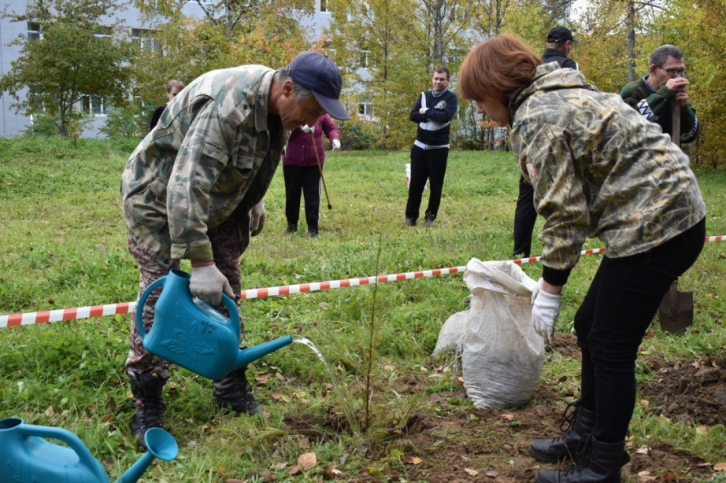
[[302, 173]]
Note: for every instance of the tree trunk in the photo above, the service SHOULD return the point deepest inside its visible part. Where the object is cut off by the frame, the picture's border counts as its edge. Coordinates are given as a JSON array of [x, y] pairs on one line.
[[630, 22]]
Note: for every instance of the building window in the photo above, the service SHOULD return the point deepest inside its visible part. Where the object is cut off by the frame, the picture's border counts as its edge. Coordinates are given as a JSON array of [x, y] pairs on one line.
[[104, 33], [323, 5], [94, 106], [364, 57], [365, 108], [34, 31], [145, 39]]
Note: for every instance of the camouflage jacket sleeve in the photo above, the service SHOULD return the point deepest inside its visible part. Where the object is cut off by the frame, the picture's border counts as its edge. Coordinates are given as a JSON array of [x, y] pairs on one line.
[[202, 156], [544, 159]]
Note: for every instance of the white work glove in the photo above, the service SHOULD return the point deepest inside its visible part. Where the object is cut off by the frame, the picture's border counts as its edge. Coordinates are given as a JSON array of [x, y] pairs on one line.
[[545, 309], [307, 128], [257, 218], [423, 110], [208, 283], [336, 144]]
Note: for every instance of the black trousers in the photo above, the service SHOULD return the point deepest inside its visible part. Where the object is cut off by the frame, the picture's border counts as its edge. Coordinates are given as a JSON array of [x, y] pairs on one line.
[[305, 180], [426, 164], [612, 320], [525, 217]]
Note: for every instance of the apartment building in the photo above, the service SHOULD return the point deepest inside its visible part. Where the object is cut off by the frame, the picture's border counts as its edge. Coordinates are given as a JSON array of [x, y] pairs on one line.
[[13, 124]]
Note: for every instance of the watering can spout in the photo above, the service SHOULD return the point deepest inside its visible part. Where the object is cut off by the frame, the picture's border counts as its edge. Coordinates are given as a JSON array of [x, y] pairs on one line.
[[160, 445], [245, 356]]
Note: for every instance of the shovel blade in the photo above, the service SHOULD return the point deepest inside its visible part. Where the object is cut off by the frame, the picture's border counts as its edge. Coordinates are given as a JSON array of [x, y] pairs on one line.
[[676, 310]]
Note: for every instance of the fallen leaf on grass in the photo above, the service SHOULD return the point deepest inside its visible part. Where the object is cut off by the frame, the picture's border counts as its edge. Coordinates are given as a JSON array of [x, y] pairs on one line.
[[294, 470], [233, 481], [267, 476], [263, 378], [471, 472], [331, 472], [646, 476], [508, 417], [307, 461], [492, 473], [702, 430], [280, 466], [304, 443], [49, 412], [280, 376], [413, 460], [643, 450], [276, 395], [719, 466]]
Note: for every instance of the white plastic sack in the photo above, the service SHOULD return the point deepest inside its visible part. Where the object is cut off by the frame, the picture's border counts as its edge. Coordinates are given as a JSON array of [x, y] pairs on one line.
[[452, 333], [502, 355]]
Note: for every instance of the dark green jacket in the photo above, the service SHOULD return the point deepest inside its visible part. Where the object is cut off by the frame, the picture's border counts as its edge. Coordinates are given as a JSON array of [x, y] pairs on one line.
[[657, 107]]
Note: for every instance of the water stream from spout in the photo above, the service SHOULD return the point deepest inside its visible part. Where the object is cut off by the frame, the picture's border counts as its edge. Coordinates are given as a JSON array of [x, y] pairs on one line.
[[340, 389]]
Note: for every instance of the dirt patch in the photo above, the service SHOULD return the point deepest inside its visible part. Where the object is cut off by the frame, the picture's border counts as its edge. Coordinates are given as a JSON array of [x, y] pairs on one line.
[[691, 392], [456, 443]]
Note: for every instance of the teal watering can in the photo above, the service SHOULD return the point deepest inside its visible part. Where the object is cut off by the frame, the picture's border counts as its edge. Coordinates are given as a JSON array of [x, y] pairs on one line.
[[28, 458], [193, 335]]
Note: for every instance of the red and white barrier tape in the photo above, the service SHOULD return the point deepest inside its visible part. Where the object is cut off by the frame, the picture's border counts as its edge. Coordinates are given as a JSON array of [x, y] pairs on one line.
[[31, 318]]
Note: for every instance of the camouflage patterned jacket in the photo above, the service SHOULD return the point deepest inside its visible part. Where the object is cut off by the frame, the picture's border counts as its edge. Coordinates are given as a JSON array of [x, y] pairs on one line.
[[211, 151], [599, 169]]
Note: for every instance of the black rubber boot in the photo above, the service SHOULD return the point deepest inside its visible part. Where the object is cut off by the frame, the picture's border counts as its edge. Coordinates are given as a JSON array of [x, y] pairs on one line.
[[576, 426], [601, 463], [233, 392], [148, 403]]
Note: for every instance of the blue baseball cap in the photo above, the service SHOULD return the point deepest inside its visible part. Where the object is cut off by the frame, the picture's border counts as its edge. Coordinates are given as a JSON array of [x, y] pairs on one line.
[[319, 74]]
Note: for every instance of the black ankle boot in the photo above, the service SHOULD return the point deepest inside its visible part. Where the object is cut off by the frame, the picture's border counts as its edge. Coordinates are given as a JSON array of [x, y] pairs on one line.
[[601, 463], [233, 392], [579, 424], [148, 403]]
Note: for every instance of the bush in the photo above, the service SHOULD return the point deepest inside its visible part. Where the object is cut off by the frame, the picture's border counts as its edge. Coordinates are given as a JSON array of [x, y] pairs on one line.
[[124, 123], [358, 135], [50, 125]]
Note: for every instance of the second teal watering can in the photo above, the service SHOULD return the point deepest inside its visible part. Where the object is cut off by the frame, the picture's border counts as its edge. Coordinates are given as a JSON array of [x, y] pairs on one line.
[[194, 335], [26, 456]]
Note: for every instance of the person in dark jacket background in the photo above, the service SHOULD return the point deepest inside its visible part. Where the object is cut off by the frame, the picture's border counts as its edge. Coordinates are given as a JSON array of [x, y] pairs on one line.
[[302, 173], [173, 87], [559, 45], [433, 113]]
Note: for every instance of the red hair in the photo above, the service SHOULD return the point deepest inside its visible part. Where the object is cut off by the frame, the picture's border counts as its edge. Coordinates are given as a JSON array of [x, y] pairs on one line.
[[499, 66]]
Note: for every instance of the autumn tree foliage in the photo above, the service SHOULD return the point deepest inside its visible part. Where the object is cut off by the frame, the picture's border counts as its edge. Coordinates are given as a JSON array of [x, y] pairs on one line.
[[229, 33]]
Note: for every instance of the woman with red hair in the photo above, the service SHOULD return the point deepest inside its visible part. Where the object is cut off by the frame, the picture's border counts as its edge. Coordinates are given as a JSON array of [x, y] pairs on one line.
[[598, 169]]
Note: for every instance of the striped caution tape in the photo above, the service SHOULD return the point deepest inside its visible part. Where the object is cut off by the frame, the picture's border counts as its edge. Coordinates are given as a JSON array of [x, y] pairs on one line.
[[49, 316]]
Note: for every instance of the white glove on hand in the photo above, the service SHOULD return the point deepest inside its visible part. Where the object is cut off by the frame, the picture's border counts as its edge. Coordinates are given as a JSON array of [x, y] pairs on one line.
[[257, 218], [307, 128], [423, 110], [208, 283], [545, 309], [336, 144]]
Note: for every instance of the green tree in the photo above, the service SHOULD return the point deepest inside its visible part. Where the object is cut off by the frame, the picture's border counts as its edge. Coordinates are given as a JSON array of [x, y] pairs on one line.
[[230, 33], [76, 57]]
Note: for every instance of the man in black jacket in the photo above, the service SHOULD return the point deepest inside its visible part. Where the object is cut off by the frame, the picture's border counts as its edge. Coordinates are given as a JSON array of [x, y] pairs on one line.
[[559, 45], [433, 113]]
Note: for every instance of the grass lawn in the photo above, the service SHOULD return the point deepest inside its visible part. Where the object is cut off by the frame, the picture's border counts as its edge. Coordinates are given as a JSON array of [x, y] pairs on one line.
[[63, 245]]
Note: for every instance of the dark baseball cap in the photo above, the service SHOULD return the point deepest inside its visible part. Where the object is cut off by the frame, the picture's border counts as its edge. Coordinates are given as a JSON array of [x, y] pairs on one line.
[[559, 34], [319, 74]]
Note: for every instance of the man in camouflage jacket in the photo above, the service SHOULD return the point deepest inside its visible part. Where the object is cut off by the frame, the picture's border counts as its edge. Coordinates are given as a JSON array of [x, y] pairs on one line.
[[655, 95], [193, 189]]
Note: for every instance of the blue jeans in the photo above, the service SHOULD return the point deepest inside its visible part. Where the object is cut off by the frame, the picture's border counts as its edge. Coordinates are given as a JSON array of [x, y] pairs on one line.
[[612, 320]]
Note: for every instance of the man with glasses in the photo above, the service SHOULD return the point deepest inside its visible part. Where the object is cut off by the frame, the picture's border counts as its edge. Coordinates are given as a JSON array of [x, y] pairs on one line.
[[655, 95]]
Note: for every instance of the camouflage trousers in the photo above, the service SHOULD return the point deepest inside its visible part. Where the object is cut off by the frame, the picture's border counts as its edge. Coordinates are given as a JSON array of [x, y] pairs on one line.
[[153, 265]]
